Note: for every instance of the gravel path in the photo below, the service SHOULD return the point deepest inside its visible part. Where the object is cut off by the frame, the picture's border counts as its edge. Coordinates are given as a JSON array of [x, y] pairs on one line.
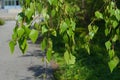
[[18, 66]]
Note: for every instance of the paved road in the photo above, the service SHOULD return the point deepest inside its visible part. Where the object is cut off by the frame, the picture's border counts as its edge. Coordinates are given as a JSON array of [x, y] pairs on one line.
[[18, 66]]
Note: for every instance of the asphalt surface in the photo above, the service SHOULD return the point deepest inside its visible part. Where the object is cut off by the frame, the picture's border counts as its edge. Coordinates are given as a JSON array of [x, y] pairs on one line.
[[19, 66]]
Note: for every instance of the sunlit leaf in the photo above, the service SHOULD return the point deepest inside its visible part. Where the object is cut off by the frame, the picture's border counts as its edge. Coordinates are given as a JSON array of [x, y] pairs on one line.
[[70, 32], [23, 45], [99, 15], [54, 33], [33, 35], [20, 31], [117, 14], [12, 46], [113, 63], [111, 53], [29, 13], [108, 45], [63, 27], [66, 57], [115, 24], [44, 29], [44, 44], [49, 54], [72, 59], [115, 38], [106, 31]]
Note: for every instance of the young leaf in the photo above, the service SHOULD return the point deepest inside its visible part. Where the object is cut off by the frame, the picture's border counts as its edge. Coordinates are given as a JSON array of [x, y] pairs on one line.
[[106, 32], [115, 38], [53, 13], [39, 7], [23, 45], [20, 31], [72, 59], [54, 33], [49, 54], [65, 38], [99, 15], [111, 53], [12, 46], [27, 1], [44, 29], [63, 27], [117, 14], [70, 32], [29, 13], [115, 24], [66, 57], [113, 63], [73, 24], [87, 48], [108, 45], [33, 35], [44, 44], [50, 2], [14, 36]]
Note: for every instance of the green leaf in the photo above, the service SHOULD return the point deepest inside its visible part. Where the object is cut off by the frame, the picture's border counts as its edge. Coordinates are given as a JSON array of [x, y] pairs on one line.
[[32, 7], [69, 58], [115, 38], [117, 14], [87, 48], [12, 46], [99, 15], [27, 1], [23, 45], [117, 31], [61, 1], [70, 32], [20, 31], [27, 30], [73, 24], [115, 24], [111, 53], [53, 13], [36, 25], [63, 27], [14, 36], [89, 28], [49, 54], [95, 28], [66, 57], [44, 29], [107, 32], [113, 63], [33, 35], [108, 45], [50, 1], [72, 59], [44, 44], [28, 13], [19, 18], [91, 34], [65, 38], [39, 7], [54, 33]]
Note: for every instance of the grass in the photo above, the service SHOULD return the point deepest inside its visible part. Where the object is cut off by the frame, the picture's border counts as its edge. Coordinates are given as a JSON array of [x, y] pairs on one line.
[[2, 22]]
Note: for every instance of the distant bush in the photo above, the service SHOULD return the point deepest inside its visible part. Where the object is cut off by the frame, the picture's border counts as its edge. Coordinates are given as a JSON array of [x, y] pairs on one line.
[[2, 21]]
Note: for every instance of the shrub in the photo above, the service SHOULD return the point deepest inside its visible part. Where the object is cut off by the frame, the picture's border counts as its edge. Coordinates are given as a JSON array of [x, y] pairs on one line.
[[2, 21]]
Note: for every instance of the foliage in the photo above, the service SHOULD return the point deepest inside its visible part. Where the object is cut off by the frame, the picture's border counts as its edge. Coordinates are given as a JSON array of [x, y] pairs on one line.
[[2, 21], [68, 27]]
